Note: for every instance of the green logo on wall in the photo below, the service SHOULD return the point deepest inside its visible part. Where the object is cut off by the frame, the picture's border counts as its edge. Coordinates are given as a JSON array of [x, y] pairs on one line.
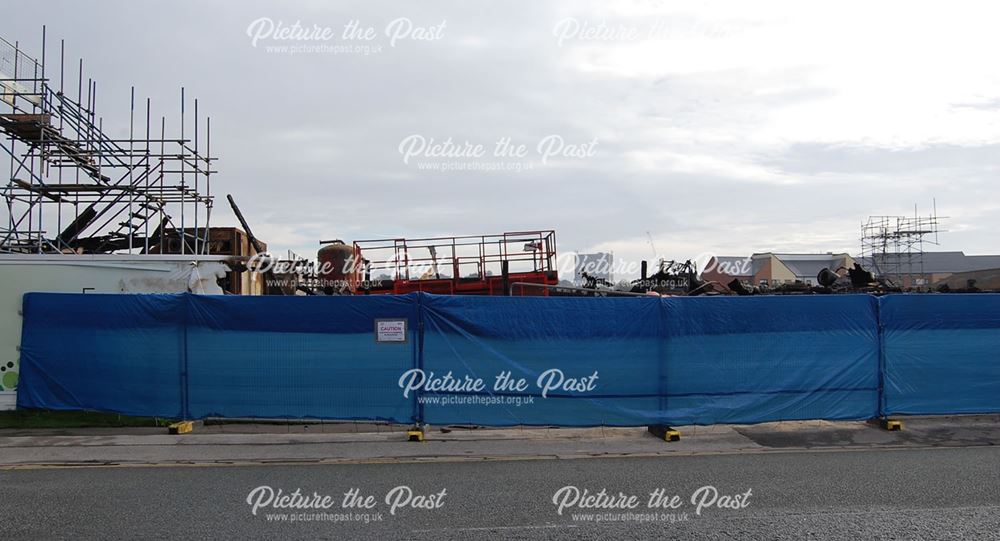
[[8, 376]]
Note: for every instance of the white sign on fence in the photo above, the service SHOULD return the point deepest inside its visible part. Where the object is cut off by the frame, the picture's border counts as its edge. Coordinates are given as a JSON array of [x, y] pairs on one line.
[[390, 330]]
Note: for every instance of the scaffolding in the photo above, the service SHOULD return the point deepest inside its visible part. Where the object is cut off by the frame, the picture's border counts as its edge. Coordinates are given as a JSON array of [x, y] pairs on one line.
[[73, 189], [892, 247]]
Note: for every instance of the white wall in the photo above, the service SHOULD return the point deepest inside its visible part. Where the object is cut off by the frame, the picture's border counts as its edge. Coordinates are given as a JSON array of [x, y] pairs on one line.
[[20, 274]]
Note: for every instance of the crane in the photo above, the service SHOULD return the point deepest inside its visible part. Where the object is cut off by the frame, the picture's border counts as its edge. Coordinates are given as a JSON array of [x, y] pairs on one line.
[[653, 246]]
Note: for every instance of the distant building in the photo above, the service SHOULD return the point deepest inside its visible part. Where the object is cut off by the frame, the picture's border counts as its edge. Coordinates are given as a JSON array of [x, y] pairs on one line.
[[906, 271], [597, 265], [929, 268], [774, 269], [983, 280], [723, 269]]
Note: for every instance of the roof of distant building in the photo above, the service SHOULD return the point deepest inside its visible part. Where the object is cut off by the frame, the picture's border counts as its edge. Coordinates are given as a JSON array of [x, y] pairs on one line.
[[805, 265], [935, 262]]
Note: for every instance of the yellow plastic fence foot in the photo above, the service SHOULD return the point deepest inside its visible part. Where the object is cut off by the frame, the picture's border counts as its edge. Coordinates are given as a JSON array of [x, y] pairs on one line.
[[664, 432], [415, 434], [182, 427], [891, 424]]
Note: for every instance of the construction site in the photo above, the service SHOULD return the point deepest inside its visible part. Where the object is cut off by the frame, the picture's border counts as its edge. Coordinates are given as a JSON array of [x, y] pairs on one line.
[[353, 270], [73, 190], [89, 212]]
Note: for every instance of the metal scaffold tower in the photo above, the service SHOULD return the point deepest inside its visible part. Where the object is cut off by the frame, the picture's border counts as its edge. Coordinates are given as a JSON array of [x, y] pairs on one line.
[[74, 189], [893, 248]]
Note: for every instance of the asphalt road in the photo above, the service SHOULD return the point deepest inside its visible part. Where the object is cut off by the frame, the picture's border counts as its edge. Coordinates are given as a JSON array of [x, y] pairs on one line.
[[888, 494]]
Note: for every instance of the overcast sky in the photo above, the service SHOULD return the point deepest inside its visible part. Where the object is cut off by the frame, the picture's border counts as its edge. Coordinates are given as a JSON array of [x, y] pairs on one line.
[[725, 127]]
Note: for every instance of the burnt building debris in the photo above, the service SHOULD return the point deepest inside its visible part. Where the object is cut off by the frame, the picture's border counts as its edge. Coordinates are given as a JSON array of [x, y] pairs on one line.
[[671, 278]]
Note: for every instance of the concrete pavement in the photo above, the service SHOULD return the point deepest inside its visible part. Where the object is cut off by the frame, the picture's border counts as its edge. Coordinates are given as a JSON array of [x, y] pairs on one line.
[[271, 444]]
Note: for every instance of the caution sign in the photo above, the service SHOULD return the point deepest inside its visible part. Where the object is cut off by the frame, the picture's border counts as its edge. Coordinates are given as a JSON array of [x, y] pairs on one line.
[[390, 331]]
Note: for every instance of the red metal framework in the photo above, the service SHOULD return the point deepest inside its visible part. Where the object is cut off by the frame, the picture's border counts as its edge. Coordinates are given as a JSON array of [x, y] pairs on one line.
[[463, 265]]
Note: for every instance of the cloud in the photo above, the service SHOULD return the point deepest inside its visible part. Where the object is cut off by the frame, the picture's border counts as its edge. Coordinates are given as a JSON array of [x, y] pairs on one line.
[[722, 126]]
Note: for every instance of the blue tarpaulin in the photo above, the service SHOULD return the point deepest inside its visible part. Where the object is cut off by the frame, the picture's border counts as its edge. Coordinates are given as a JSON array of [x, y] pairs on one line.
[[119, 353], [556, 339], [512, 360], [297, 357], [192, 356], [671, 361], [942, 353], [748, 359]]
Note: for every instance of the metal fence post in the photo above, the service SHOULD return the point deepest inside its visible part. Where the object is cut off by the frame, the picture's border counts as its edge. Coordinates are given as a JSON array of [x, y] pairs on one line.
[[185, 320], [880, 330], [418, 406]]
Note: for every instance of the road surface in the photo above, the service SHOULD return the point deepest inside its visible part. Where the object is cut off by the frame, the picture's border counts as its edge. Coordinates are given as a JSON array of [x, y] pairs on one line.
[[850, 494]]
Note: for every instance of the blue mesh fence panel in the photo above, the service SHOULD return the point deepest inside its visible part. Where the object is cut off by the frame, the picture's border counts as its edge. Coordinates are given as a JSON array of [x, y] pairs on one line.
[[942, 353], [196, 356], [771, 358], [671, 361], [619, 339], [298, 357], [118, 353]]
